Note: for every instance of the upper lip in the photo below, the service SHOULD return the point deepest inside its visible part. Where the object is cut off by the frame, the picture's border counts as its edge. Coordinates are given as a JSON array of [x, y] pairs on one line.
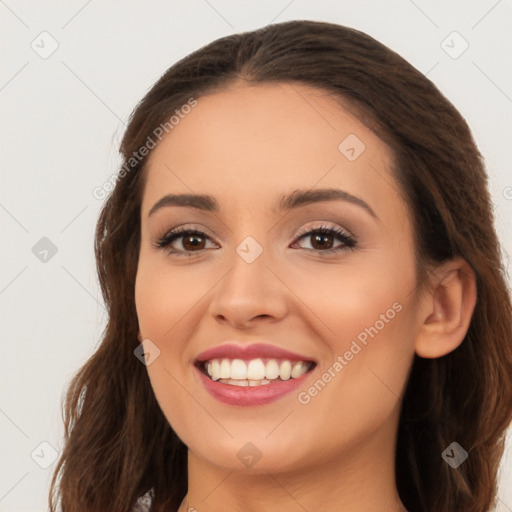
[[254, 351]]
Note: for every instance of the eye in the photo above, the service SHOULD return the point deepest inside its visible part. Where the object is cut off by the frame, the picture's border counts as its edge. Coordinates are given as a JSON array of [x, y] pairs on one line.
[[322, 238], [194, 240]]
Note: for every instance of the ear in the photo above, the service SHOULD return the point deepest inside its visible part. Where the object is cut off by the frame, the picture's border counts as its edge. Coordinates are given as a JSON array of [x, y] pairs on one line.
[[139, 336], [446, 309]]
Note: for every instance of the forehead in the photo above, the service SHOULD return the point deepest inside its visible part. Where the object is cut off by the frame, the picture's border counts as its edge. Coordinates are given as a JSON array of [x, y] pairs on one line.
[[249, 144]]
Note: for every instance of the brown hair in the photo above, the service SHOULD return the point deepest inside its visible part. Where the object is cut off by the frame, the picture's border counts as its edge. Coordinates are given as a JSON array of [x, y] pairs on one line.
[[118, 443]]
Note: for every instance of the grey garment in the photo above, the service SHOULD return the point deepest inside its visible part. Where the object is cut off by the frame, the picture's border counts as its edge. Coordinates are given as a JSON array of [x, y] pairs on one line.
[[144, 502]]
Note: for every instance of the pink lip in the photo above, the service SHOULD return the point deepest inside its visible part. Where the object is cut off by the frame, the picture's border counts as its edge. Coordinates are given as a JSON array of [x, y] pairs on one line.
[[232, 351], [249, 395], [256, 395]]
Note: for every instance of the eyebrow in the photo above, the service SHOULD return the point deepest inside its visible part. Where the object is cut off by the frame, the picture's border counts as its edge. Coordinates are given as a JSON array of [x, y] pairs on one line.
[[295, 199]]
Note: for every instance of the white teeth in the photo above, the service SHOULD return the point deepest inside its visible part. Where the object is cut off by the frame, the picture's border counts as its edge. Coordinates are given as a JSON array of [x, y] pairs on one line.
[[236, 382], [244, 383], [238, 369], [272, 369], [254, 372], [225, 369], [285, 370], [299, 369], [214, 371]]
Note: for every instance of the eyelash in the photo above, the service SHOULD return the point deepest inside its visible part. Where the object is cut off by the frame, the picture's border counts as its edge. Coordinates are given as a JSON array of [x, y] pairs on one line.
[[348, 241]]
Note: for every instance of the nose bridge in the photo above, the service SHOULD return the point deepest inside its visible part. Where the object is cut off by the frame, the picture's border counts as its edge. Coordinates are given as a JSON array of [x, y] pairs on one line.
[[249, 274], [249, 288]]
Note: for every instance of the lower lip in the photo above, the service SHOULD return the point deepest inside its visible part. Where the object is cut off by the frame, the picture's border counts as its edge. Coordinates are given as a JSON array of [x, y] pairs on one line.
[[249, 395]]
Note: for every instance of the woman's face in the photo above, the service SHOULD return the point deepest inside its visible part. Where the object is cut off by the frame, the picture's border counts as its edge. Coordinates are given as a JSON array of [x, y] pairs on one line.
[[255, 286]]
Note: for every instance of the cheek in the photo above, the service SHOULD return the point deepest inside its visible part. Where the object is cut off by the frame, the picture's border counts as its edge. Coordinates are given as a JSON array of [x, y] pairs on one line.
[[356, 297], [365, 315], [163, 299], [163, 296]]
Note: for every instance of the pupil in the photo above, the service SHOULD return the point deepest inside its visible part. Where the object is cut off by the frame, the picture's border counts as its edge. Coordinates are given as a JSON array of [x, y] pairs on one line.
[[194, 244], [320, 237]]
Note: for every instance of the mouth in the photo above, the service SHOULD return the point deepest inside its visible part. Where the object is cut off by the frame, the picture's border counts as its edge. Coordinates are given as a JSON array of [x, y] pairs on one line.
[[251, 375], [253, 372]]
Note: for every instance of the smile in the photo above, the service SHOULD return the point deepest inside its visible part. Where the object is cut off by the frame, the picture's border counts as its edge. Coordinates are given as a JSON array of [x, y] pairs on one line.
[[254, 372], [251, 375]]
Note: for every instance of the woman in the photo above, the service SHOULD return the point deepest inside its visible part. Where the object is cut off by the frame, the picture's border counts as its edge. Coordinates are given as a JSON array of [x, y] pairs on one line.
[[307, 308]]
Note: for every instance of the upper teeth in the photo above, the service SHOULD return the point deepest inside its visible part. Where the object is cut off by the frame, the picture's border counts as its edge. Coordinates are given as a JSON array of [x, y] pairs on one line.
[[255, 369]]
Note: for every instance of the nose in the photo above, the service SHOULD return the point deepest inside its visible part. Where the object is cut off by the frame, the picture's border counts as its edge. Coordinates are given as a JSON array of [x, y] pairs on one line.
[[248, 294]]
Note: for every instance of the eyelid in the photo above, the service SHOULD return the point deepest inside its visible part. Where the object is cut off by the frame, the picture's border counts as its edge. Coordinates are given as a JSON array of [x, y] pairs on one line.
[[323, 224], [183, 228], [302, 230]]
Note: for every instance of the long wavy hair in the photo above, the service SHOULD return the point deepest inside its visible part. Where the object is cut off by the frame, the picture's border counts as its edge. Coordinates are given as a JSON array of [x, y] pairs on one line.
[[118, 443]]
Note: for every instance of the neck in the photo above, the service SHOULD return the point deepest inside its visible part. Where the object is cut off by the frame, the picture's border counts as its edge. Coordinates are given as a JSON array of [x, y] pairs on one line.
[[361, 477]]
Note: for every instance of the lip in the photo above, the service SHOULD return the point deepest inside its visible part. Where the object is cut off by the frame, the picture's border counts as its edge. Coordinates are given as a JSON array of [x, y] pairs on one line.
[[262, 350], [249, 395]]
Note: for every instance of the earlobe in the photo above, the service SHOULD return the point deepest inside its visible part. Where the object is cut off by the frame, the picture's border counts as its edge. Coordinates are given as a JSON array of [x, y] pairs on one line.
[[446, 309]]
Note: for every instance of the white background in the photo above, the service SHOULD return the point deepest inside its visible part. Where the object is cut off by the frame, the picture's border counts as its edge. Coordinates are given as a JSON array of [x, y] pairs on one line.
[[62, 119]]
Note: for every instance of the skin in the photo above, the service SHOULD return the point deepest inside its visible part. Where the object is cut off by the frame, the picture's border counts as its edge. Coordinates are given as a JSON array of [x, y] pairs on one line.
[[245, 146]]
